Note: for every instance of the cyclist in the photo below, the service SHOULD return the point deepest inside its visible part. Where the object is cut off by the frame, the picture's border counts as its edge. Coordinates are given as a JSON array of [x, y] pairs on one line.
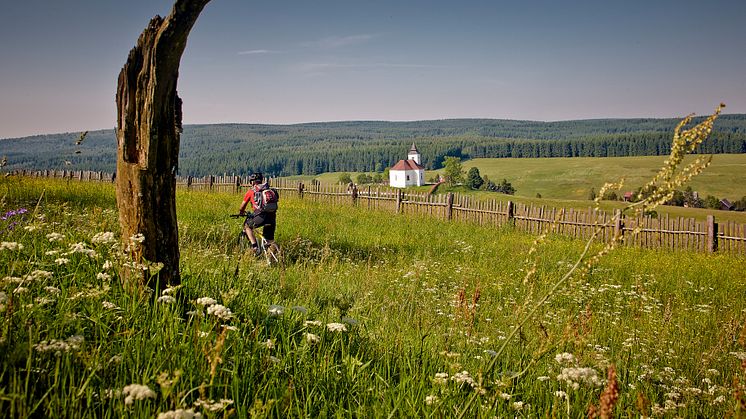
[[262, 212]]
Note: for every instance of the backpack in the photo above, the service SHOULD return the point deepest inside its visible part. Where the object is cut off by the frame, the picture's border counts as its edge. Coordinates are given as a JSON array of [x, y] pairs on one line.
[[265, 199]]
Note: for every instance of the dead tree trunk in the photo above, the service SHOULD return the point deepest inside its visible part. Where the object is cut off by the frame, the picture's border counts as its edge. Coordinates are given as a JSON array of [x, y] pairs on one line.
[[148, 129]]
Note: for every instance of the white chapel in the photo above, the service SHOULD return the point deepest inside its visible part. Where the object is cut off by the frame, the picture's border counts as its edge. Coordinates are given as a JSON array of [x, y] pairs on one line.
[[408, 172]]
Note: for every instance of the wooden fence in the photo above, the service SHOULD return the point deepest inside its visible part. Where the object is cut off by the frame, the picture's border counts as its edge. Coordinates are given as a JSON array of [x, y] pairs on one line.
[[647, 232]]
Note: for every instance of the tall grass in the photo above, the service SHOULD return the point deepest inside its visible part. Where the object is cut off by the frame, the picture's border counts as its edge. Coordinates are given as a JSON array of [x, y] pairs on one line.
[[425, 304]]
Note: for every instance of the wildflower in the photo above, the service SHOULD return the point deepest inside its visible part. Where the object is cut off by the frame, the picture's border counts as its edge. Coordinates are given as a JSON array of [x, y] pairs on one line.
[[166, 299], [103, 238], [542, 378], [137, 238], [12, 246], [440, 378], [431, 399], [316, 323], [61, 261], [269, 344], [336, 327], [38, 275], [72, 343], [518, 406], [30, 228], [52, 290], [109, 306], [134, 392], [561, 394], [220, 312], [206, 301], [20, 290], [115, 359], [311, 338], [80, 248], [52, 252], [55, 237], [505, 396], [713, 372], [213, 406], [180, 414], [275, 310], [107, 265], [575, 376], [565, 358], [740, 355], [229, 328], [464, 377], [103, 276]]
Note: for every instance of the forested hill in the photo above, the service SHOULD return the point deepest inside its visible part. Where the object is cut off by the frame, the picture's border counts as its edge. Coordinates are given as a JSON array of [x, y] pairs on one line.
[[373, 145]]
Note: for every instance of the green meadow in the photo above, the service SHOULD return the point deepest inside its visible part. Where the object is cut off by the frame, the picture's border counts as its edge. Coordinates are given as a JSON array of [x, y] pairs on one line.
[[370, 314]]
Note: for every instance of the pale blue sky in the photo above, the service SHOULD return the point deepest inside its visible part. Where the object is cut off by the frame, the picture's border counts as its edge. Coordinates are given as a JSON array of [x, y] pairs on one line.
[[288, 62]]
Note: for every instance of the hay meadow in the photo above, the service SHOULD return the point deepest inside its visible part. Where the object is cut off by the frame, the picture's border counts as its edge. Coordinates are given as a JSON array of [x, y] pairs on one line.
[[370, 314]]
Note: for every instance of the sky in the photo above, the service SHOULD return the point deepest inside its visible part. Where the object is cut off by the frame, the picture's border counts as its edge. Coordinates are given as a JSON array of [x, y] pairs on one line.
[[283, 62]]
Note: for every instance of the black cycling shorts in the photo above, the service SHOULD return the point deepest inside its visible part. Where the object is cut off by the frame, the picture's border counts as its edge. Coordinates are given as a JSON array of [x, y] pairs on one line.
[[265, 220]]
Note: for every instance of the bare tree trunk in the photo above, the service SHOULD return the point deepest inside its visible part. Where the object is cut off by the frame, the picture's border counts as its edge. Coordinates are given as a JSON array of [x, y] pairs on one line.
[[148, 129]]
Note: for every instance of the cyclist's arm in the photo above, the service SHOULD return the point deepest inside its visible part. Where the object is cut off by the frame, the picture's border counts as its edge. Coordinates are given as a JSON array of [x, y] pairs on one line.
[[246, 199]]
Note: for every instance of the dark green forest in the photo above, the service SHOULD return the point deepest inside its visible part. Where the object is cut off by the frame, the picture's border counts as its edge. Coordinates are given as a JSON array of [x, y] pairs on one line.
[[314, 148]]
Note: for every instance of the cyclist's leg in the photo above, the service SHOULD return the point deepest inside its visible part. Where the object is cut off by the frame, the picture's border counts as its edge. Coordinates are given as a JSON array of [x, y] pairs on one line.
[[248, 228]]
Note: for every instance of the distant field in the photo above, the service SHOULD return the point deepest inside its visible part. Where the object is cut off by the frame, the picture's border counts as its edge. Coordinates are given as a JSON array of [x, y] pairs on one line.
[[566, 182], [572, 178]]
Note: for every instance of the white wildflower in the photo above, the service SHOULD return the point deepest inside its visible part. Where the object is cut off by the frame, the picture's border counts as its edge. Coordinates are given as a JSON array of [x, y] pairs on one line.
[[518, 406], [713, 372], [103, 276], [107, 265], [220, 311], [30, 228], [109, 306], [82, 249], [431, 399], [740, 355], [134, 392], [505, 396], [543, 378], [166, 299], [275, 310], [55, 237], [440, 378], [61, 261], [137, 238], [52, 252], [213, 406], [180, 414], [336, 327], [52, 290], [103, 238], [10, 246], [311, 338], [269, 344], [206, 301], [561, 394], [316, 323], [72, 343], [565, 358], [576, 376], [464, 377], [719, 400], [38, 275]]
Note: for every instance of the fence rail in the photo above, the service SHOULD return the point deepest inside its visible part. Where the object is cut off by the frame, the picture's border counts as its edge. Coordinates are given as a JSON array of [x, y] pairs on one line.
[[663, 232]]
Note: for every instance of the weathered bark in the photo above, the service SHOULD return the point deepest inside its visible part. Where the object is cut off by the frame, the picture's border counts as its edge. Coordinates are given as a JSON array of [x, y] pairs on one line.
[[148, 129]]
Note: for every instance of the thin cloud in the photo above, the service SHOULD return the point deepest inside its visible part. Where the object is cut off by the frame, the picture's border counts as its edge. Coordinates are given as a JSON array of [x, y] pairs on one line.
[[258, 51], [339, 41], [316, 67]]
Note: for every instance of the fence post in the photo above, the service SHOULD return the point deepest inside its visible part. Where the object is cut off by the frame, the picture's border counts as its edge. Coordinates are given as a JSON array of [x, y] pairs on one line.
[[238, 184], [449, 206], [398, 200], [511, 212], [212, 182], [618, 225], [300, 189], [354, 194], [712, 234]]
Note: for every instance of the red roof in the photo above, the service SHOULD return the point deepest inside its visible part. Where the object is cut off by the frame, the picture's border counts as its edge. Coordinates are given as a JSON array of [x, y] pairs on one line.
[[407, 165]]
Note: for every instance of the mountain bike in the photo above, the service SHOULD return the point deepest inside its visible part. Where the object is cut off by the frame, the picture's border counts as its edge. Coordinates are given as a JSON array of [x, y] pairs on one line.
[[267, 249]]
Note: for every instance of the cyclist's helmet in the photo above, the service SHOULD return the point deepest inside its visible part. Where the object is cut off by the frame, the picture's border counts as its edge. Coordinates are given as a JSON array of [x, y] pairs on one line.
[[256, 178]]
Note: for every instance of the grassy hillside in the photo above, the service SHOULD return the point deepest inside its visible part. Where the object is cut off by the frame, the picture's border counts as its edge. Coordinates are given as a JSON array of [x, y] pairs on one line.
[[371, 315], [572, 178]]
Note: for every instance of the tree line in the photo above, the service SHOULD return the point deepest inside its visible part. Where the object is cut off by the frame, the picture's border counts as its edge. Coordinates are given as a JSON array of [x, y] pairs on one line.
[[310, 149]]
